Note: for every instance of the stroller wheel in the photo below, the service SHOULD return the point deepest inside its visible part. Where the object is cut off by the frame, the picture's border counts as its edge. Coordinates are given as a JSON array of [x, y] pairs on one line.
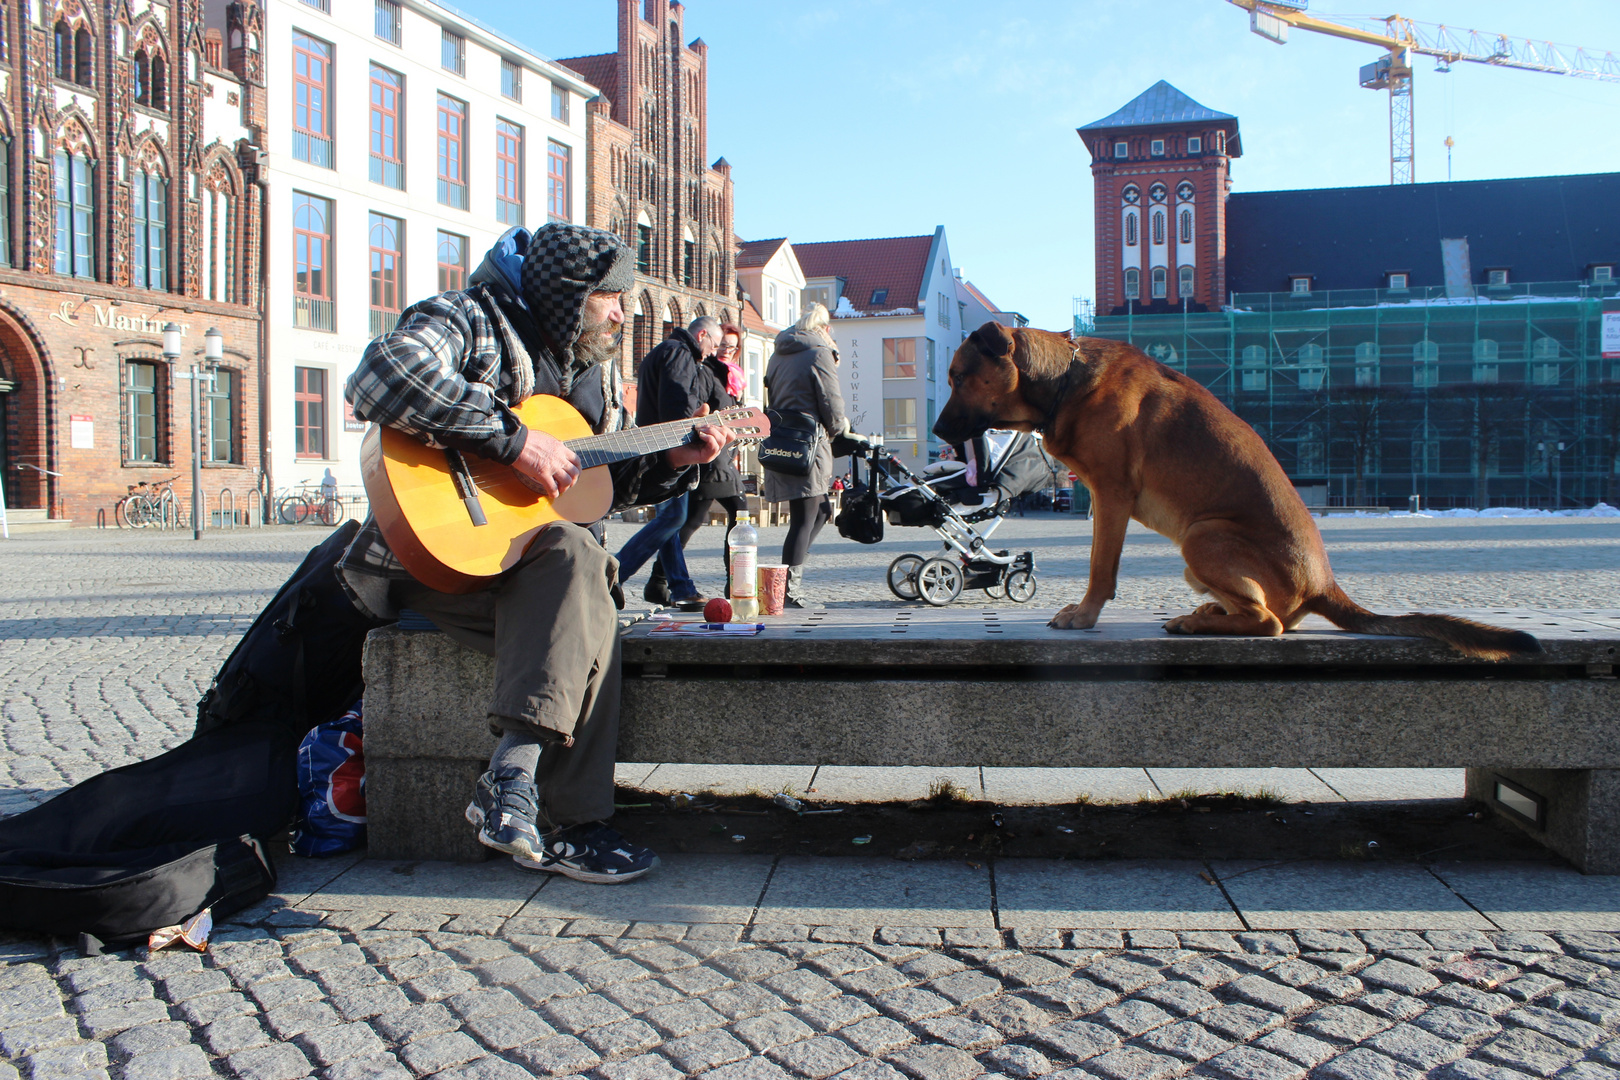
[[903, 576], [995, 592], [939, 581], [1021, 586]]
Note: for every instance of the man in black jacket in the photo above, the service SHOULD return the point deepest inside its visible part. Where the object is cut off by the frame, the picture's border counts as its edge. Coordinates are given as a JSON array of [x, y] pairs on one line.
[[540, 316], [669, 387]]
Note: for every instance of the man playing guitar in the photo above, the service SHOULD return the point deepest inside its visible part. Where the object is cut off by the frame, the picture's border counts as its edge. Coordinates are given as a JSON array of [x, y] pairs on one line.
[[541, 315]]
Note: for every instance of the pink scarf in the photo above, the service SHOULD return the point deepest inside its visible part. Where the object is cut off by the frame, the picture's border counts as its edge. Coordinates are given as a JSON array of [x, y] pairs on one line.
[[734, 380]]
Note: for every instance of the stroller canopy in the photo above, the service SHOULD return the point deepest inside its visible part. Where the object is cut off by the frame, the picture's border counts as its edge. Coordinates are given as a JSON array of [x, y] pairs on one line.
[[1011, 461]]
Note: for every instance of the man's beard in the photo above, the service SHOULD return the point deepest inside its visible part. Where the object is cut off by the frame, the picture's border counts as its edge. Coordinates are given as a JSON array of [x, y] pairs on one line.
[[596, 344]]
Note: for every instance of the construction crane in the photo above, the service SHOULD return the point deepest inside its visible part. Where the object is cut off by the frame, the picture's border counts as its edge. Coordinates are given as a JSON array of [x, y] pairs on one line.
[[1403, 38]]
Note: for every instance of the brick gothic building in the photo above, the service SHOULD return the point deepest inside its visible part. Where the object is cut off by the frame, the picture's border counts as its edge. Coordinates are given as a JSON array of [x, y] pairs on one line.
[[1161, 168], [122, 208], [647, 180]]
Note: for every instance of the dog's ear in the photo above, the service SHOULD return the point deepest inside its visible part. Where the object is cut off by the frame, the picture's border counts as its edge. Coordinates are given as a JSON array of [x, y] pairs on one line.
[[992, 340]]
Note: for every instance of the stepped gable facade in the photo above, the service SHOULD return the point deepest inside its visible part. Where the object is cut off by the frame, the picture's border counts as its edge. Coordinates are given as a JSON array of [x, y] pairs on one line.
[[648, 180], [125, 206]]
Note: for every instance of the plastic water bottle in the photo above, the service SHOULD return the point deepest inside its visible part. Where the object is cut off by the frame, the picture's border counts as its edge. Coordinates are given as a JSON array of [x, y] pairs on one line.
[[744, 540]]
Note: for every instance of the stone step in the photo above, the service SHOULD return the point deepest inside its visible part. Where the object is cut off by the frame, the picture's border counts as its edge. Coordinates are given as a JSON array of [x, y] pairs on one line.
[[19, 520]]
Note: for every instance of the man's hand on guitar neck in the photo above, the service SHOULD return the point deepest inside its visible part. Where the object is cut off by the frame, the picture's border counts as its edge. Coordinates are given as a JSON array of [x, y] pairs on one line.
[[546, 465], [707, 442]]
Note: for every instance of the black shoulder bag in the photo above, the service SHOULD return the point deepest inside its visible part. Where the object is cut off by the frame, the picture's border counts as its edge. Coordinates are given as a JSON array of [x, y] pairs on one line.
[[790, 448]]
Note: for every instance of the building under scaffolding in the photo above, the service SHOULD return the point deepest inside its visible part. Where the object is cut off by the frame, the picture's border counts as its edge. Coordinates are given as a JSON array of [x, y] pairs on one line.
[[1369, 396]]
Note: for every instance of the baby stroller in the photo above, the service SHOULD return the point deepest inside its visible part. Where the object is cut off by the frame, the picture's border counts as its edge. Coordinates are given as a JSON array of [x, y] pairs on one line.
[[1004, 465]]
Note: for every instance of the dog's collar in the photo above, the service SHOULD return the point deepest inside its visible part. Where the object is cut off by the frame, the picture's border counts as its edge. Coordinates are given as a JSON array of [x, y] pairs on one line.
[[1062, 390]]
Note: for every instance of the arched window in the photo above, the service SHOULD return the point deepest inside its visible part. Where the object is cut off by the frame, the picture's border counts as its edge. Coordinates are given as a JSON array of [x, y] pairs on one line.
[[219, 236], [1312, 367], [64, 52], [1255, 374], [1186, 282], [1161, 282], [1426, 449], [75, 214], [1130, 228], [1133, 284], [1158, 226], [160, 90], [142, 71], [1186, 227], [1486, 353], [148, 230], [84, 60], [1425, 364], [1367, 363]]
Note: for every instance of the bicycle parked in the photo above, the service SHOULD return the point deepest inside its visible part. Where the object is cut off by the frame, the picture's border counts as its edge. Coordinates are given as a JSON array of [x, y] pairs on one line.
[[149, 503], [309, 504]]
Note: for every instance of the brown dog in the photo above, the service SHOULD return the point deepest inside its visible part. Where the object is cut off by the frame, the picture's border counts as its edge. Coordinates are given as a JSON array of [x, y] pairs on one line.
[[1154, 445]]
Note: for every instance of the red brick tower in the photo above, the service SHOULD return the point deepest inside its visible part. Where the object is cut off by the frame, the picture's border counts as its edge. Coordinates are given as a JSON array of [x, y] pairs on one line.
[[1161, 168]]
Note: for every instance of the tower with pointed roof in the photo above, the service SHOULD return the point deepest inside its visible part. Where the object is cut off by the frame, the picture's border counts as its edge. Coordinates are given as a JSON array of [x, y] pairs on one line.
[[1161, 169]]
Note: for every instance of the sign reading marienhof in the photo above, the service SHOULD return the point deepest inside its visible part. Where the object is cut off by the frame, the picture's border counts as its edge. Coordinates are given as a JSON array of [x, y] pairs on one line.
[[1611, 335], [115, 319]]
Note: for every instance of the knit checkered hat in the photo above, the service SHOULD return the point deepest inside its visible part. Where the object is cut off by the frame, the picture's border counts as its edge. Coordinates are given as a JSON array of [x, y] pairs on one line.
[[564, 265]]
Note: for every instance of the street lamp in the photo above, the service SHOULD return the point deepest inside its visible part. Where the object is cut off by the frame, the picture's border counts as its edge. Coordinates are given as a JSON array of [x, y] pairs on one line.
[[171, 353]]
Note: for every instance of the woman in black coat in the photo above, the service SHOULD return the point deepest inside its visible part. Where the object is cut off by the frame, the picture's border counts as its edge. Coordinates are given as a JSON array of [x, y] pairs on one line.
[[721, 384]]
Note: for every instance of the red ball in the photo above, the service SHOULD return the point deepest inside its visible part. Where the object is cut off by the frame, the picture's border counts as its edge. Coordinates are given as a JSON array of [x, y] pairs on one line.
[[717, 610]]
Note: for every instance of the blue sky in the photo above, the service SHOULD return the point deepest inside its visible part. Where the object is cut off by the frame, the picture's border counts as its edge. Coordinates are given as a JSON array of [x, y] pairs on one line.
[[857, 118]]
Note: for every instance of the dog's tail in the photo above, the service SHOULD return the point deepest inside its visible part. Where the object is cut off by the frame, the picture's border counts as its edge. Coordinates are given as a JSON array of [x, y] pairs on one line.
[[1466, 636]]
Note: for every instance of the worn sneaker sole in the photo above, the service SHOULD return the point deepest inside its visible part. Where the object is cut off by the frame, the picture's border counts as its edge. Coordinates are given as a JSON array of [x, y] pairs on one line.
[[532, 863], [522, 848]]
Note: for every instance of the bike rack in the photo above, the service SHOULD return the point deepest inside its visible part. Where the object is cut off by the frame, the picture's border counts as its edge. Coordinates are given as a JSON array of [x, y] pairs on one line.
[[255, 514], [101, 517], [227, 495]]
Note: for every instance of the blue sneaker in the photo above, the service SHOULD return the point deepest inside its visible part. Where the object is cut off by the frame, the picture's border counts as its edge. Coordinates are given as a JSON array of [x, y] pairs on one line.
[[504, 808], [591, 852]]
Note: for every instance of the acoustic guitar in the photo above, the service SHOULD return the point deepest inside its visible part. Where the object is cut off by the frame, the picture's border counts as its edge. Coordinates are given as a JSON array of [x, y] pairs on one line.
[[457, 520]]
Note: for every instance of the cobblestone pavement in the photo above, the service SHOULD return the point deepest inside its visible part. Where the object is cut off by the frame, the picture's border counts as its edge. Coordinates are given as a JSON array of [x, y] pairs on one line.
[[366, 994], [107, 639]]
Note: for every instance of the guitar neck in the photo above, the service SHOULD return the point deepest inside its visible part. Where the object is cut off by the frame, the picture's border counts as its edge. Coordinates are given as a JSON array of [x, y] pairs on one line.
[[634, 442]]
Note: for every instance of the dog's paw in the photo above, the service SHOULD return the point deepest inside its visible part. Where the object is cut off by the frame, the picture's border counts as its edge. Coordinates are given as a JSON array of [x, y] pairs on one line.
[[1176, 625], [1073, 617]]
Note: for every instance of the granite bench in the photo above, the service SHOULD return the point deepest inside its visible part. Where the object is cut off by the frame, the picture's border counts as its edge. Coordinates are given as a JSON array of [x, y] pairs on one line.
[[892, 686]]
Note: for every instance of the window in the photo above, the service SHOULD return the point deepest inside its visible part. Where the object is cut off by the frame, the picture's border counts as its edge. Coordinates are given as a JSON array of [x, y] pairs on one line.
[[320, 5], [452, 158], [1158, 226], [84, 58], [1496, 279], [159, 94], [1161, 282], [1254, 367], [387, 21], [219, 417], [1602, 274], [1426, 364], [1397, 282], [1133, 284], [1195, 145], [219, 233], [1130, 228], [559, 103], [387, 103], [1312, 367], [1426, 449], [1220, 142], [141, 74], [387, 271], [1544, 353], [309, 412], [452, 262], [312, 262], [1185, 191], [453, 52], [1310, 458], [688, 257], [1367, 363], [1184, 228], [1122, 150], [643, 247], [559, 169], [1156, 148], [1486, 353], [75, 215], [148, 231], [64, 52], [899, 420], [312, 128], [141, 412], [511, 80], [944, 316], [879, 296], [5, 202], [1185, 282], [508, 173], [1300, 286], [900, 358]]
